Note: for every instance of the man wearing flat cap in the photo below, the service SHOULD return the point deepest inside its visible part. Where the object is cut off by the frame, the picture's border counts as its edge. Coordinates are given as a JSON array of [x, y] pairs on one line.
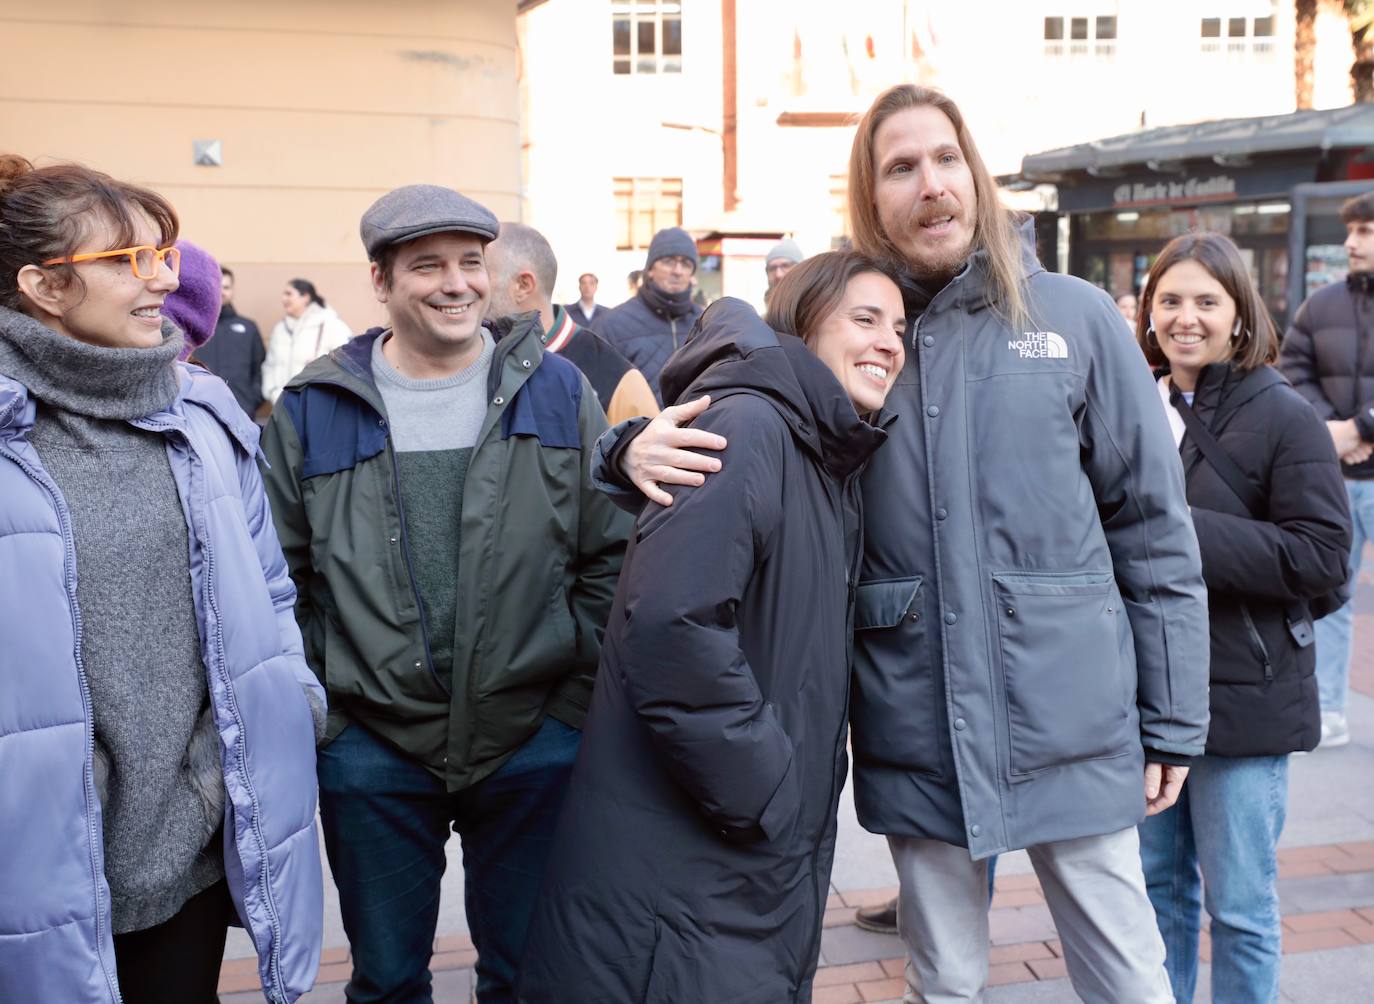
[[455, 569], [647, 328]]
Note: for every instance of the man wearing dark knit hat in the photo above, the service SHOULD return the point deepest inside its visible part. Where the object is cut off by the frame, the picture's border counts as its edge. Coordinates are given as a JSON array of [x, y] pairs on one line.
[[455, 570], [647, 328]]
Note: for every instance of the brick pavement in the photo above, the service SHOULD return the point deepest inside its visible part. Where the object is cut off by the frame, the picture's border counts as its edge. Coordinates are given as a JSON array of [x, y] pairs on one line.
[[1023, 946], [1326, 889]]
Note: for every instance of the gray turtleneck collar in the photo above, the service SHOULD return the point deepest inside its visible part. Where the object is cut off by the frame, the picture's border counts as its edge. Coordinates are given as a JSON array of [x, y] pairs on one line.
[[88, 379]]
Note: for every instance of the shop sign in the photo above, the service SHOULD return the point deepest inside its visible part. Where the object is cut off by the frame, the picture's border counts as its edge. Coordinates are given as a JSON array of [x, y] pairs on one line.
[[1086, 194], [1221, 186]]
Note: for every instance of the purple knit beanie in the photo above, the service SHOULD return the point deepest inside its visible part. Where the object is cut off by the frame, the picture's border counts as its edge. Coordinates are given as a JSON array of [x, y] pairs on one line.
[[194, 307]]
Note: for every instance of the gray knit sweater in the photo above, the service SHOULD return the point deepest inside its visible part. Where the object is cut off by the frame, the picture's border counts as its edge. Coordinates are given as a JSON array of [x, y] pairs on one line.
[[157, 748]]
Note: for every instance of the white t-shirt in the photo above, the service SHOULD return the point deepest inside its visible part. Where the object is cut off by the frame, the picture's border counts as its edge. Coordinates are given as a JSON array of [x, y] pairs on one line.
[[1175, 419]]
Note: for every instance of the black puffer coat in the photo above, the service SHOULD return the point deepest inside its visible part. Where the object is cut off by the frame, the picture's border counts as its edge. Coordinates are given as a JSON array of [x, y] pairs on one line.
[[1328, 356], [692, 859], [1260, 573]]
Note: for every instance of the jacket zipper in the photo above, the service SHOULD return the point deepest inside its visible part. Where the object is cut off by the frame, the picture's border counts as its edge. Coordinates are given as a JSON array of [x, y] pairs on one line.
[[850, 578], [274, 991], [405, 560], [1256, 642], [69, 559]]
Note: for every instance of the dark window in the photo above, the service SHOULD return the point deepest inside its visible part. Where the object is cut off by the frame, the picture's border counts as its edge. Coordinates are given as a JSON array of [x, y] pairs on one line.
[[1106, 28], [1054, 29], [1078, 28], [1264, 27], [1235, 27], [1211, 27]]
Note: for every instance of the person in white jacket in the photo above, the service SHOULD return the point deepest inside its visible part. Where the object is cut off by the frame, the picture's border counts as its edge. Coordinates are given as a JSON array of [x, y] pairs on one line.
[[309, 330]]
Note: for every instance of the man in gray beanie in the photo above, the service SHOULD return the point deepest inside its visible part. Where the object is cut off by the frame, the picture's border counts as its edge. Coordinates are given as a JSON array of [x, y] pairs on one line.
[[455, 570], [781, 258], [652, 324]]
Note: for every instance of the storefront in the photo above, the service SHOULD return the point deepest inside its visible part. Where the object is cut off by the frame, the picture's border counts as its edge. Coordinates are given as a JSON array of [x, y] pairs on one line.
[[1273, 184]]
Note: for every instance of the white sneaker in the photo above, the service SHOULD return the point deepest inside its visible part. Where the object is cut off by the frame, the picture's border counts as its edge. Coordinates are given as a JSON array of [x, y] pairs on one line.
[[1335, 730]]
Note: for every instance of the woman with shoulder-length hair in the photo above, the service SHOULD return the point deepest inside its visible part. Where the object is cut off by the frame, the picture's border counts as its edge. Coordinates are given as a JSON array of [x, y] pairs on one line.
[[309, 329], [156, 741], [1273, 524], [692, 859]]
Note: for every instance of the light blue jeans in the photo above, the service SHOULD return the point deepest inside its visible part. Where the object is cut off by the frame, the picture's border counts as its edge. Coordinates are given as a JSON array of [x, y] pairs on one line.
[[1334, 632], [1218, 847]]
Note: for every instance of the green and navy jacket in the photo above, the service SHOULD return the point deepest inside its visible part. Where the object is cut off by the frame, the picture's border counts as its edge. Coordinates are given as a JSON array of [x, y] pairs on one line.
[[540, 554]]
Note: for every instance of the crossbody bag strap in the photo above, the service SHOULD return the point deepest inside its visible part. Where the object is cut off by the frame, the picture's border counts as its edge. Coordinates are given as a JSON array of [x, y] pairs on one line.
[[1297, 614]]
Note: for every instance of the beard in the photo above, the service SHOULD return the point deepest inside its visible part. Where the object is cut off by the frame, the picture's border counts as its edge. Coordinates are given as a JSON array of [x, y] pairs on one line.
[[945, 258]]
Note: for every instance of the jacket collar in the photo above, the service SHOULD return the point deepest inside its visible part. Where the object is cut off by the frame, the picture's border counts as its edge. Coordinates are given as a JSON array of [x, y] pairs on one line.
[[970, 284], [196, 386], [1222, 388], [350, 365]]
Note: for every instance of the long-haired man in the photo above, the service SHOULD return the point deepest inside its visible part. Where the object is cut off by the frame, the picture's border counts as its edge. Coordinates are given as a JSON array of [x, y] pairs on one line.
[[1030, 623]]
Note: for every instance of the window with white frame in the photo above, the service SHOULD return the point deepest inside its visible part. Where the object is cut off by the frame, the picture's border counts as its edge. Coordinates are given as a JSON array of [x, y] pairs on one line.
[[643, 207], [646, 36], [1239, 36], [1080, 36]]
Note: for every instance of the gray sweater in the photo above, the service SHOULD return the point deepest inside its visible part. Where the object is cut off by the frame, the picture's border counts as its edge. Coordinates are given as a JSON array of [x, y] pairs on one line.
[[156, 748]]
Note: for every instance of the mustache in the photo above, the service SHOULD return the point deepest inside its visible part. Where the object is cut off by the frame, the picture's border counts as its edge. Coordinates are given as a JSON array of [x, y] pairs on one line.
[[933, 211]]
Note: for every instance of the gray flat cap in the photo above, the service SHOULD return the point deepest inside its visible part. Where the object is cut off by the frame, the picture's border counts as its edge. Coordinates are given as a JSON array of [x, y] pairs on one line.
[[420, 210]]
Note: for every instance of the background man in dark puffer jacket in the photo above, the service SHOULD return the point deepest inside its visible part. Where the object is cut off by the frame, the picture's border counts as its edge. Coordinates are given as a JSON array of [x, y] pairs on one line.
[[651, 325], [1328, 355]]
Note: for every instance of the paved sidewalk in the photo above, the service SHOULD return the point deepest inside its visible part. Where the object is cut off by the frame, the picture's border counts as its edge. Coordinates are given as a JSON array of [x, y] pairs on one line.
[[1326, 891]]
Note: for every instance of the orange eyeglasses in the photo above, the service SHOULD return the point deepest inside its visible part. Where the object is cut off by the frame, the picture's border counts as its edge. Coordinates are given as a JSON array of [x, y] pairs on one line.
[[143, 260]]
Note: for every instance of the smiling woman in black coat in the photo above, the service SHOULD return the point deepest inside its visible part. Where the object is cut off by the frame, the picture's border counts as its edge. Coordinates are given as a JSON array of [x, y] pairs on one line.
[[1273, 525], [692, 859]]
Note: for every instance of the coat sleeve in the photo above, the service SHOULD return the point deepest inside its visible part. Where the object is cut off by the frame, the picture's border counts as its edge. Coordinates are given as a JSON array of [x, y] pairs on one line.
[[281, 478], [633, 398], [606, 475], [276, 364], [257, 354], [679, 652], [601, 533], [280, 586], [1298, 362], [1137, 478], [1302, 550]]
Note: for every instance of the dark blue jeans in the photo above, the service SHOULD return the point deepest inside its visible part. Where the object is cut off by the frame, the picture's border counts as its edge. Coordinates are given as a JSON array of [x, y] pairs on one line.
[[386, 820]]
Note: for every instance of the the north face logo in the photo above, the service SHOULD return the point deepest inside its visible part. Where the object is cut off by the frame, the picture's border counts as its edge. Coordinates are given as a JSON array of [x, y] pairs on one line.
[[1039, 345]]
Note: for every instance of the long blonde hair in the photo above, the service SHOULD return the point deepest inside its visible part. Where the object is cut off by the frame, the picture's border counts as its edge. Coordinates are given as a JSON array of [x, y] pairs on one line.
[[995, 226]]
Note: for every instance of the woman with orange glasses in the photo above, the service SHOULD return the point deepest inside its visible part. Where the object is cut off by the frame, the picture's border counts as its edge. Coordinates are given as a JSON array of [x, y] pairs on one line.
[[151, 669]]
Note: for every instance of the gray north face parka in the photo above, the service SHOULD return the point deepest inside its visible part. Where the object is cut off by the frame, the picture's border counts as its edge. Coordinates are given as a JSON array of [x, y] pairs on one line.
[[1031, 621]]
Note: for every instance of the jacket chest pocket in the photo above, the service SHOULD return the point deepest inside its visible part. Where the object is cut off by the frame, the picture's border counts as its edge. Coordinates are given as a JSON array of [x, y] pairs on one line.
[[897, 707], [1068, 677]]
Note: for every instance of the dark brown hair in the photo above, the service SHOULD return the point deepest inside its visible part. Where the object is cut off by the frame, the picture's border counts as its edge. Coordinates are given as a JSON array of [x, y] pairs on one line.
[[810, 292], [1360, 209], [48, 212], [1257, 343], [995, 226]]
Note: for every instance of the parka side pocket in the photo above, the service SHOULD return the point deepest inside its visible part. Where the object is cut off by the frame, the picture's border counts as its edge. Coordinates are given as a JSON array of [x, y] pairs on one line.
[[1063, 667], [896, 705]]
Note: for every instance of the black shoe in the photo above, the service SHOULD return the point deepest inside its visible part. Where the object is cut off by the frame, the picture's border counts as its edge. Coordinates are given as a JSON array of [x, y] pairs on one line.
[[880, 919]]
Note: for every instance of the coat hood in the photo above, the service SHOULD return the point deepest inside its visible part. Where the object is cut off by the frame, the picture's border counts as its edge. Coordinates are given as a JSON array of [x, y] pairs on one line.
[[730, 350], [1223, 387]]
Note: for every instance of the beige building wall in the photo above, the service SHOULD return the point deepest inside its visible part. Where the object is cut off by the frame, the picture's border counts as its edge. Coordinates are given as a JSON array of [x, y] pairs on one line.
[[320, 107], [814, 63]]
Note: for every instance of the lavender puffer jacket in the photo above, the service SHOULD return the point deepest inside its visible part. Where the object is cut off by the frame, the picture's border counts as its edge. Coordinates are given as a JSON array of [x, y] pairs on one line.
[[55, 933]]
